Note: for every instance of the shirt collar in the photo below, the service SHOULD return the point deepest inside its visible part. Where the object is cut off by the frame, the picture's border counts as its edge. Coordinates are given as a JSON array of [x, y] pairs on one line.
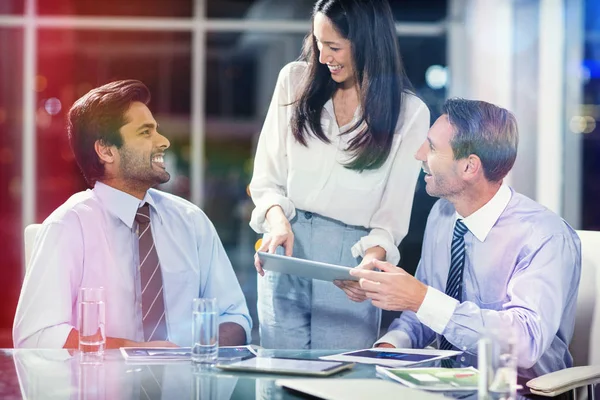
[[481, 222], [123, 205]]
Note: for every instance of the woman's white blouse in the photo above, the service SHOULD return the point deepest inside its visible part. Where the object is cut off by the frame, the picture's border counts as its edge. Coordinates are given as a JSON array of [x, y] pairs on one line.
[[314, 178]]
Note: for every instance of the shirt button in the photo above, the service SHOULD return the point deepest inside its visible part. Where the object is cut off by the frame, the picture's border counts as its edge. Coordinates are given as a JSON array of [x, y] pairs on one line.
[[308, 215]]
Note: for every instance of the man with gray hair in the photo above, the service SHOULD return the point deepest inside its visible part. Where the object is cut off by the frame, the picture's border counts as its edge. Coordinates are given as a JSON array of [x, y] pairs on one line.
[[491, 256]]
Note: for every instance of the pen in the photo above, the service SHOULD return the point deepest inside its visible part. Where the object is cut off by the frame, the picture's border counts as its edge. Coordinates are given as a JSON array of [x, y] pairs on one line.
[[464, 375]]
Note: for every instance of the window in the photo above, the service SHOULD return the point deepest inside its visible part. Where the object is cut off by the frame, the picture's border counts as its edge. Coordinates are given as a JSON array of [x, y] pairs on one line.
[[11, 175]]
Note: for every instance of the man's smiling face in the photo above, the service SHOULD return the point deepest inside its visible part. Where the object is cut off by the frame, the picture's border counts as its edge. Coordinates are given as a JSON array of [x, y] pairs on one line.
[[141, 157], [443, 177]]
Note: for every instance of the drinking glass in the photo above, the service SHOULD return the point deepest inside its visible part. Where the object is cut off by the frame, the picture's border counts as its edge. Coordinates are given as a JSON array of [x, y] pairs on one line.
[[91, 320], [205, 330], [204, 383], [497, 363], [92, 381]]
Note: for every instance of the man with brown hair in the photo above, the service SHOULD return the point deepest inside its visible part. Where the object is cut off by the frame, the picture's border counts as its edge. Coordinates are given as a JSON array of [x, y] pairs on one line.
[[153, 252]]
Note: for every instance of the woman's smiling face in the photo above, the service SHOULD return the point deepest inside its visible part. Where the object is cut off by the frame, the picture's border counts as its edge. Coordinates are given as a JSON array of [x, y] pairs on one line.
[[334, 50]]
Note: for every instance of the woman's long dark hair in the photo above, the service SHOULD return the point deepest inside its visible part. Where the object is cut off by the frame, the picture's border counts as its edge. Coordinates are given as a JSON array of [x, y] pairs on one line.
[[379, 72]]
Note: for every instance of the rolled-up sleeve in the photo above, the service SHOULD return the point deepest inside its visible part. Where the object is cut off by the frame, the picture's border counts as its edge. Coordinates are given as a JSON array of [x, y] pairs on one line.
[[221, 283], [44, 316], [269, 179], [389, 223]]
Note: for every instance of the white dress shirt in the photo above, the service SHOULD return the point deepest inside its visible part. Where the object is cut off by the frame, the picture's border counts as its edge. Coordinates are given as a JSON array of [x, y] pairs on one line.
[[314, 178], [437, 307], [90, 241]]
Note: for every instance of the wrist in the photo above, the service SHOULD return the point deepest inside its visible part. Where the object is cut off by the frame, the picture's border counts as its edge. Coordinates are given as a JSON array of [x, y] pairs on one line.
[[115, 343], [375, 253], [275, 215], [72, 341], [420, 293]]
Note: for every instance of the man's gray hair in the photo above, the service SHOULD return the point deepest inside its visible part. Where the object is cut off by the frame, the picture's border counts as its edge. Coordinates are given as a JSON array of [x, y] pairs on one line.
[[485, 130]]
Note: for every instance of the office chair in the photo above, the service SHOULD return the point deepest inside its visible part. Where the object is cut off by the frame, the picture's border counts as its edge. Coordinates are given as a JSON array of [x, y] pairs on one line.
[[585, 345]]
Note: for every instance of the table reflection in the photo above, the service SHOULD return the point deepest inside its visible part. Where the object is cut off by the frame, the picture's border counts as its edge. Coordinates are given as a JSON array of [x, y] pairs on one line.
[[60, 374]]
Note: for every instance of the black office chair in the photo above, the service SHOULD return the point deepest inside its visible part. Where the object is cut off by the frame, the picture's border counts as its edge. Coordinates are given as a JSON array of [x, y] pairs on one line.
[[410, 247]]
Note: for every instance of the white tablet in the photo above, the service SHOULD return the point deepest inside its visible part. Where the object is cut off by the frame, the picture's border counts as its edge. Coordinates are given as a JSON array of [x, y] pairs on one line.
[[293, 366], [304, 268]]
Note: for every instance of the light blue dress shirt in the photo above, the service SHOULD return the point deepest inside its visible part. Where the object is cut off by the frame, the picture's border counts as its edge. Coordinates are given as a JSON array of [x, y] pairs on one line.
[[90, 241], [522, 271]]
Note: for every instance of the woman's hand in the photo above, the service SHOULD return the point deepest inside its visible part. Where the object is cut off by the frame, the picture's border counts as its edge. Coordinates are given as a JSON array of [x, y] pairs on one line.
[[280, 234], [352, 288]]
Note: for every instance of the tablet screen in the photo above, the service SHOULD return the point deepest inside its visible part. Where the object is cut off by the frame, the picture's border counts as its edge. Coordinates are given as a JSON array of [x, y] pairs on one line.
[[388, 355], [286, 365]]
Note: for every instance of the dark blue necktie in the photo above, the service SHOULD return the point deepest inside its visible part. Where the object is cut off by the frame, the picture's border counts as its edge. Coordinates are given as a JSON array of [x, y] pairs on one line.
[[455, 273]]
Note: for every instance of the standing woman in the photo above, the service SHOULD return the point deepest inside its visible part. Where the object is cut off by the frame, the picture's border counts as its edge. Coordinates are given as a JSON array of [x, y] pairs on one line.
[[334, 173]]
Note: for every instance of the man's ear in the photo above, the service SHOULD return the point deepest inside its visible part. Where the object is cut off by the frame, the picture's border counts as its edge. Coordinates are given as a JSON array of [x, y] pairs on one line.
[[472, 166], [105, 152]]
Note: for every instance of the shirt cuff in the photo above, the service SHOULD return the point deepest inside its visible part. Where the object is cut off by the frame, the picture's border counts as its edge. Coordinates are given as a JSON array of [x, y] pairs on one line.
[[377, 237], [397, 338], [258, 221], [436, 310], [53, 337]]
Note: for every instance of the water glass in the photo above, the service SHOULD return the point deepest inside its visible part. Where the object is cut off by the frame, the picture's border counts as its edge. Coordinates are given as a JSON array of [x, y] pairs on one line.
[[205, 385], [91, 320], [205, 330], [92, 381], [497, 363]]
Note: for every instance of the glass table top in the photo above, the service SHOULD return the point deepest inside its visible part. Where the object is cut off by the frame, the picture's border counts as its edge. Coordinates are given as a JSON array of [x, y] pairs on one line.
[[60, 374]]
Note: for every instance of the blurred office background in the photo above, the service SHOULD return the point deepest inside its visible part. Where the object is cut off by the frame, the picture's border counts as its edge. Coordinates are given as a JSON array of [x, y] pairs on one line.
[[212, 65]]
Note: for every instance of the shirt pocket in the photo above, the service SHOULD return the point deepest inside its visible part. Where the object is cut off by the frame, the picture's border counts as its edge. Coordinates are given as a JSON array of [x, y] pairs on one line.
[[490, 287], [181, 284]]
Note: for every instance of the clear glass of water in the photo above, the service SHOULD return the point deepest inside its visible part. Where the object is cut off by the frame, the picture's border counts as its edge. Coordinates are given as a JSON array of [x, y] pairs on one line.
[[92, 381], [205, 384], [91, 320], [497, 363], [205, 330]]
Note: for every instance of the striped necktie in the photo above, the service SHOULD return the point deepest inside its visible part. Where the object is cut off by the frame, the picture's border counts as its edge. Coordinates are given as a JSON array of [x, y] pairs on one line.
[[455, 273], [153, 304]]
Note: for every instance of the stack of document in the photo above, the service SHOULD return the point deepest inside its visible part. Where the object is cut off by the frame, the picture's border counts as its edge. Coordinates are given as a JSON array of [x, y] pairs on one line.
[[434, 379]]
